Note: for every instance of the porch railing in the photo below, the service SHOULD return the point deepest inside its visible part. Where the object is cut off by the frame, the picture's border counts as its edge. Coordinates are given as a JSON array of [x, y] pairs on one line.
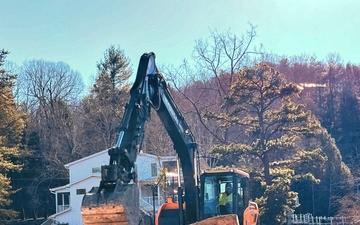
[[146, 203]]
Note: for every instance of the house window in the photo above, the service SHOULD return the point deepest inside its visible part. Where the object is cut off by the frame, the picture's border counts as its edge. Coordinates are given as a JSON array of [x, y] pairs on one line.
[[63, 201], [153, 169], [81, 191], [96, 170]]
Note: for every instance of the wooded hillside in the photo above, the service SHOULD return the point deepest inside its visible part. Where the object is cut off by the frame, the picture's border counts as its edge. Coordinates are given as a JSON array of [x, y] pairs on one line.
[[291, 122]]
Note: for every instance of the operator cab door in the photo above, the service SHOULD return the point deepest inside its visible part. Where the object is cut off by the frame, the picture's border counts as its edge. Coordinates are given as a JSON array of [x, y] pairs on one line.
[[217, 199]]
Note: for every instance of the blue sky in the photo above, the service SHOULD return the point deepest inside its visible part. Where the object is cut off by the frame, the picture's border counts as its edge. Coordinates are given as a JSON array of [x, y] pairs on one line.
[[78, 32]]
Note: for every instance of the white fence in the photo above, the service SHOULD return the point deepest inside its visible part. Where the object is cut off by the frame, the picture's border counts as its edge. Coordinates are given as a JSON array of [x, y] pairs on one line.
[[309, 219]]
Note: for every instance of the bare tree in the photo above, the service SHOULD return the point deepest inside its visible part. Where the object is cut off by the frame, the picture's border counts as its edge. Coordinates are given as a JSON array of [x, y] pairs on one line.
[[205, 85], [157, 140], [46, 82], [225, 52], [51, 89], [48, 91]]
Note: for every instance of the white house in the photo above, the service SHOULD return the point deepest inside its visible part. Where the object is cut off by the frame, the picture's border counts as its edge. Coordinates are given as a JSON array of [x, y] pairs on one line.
[[85, 173]]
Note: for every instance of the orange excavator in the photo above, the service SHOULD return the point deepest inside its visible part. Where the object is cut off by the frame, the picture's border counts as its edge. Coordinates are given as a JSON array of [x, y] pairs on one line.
[[116, 200]]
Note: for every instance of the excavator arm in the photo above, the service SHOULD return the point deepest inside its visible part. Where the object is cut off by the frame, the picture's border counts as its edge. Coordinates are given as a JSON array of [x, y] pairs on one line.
[[114, 201], [182, 138]]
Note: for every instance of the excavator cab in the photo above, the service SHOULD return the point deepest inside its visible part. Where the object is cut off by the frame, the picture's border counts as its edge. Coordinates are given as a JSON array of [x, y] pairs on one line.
[[223, 199], [223, 192]]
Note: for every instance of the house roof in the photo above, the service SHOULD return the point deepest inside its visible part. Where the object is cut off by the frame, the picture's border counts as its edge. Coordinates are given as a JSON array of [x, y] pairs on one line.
[[85, 158], [169, 158], [149, 155], [59, 213], [52, 190], [105, 151]]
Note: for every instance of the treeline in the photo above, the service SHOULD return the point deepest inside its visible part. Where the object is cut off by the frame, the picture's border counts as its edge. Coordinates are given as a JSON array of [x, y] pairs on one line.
[[292, 122]]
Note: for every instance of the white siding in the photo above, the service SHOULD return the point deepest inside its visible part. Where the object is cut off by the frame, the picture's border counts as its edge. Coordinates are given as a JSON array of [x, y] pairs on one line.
[[73, 217], [84, 168], [143, 165]]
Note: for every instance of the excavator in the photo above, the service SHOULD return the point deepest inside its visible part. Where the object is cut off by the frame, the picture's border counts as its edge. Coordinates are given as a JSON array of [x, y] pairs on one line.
[[116, 200]]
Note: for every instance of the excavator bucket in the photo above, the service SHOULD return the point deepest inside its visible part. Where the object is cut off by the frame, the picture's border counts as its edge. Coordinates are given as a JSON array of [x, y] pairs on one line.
[[117, 205]]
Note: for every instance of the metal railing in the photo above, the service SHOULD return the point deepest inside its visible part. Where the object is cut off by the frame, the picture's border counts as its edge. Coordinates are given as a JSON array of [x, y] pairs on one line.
[[309, 219], [146, 203], [61, 208]]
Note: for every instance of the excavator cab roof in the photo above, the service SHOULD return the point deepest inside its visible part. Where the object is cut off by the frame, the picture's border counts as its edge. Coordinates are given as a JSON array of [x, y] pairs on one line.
[[224, 171]]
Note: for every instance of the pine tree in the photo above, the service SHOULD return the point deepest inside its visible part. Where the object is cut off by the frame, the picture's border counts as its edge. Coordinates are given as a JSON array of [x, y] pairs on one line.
[[11, 128], [114, 67], [259, 100], [104, 106]]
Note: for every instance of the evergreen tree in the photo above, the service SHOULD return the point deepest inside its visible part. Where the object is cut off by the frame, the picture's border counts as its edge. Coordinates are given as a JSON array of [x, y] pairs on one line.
[[329, 102], [349, 126], [259, 100], [11, 128], [104, 106], [114, 67]]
